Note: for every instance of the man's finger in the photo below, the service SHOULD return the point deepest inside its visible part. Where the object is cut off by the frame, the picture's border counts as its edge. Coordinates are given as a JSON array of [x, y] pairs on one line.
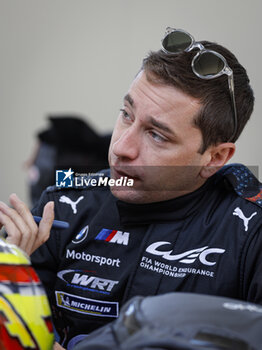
[[17, 220], [23, 211], [14, 235], [24, 221], [45, 224]]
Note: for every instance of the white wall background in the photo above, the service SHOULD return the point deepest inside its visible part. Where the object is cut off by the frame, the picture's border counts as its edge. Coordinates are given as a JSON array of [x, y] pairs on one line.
[[80, 56]]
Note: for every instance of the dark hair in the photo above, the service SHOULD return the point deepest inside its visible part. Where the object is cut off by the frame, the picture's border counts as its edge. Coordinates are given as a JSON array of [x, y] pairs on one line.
[[215, 119]]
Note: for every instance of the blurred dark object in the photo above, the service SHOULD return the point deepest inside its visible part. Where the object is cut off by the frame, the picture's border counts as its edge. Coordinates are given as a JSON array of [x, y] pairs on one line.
[[69, 142], [180, 321]]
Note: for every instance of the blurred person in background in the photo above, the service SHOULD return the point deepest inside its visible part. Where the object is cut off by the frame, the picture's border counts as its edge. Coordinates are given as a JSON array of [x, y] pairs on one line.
[[68, 142]]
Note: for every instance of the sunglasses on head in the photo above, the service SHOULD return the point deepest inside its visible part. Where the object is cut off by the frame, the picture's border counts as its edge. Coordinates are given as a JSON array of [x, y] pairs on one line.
[[206, 64]]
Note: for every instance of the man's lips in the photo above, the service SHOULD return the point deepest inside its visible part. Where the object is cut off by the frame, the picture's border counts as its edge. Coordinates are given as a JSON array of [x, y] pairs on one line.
[[128, 172]]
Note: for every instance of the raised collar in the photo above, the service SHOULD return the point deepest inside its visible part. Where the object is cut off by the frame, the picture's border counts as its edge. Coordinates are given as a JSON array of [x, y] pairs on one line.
[[173, 209]]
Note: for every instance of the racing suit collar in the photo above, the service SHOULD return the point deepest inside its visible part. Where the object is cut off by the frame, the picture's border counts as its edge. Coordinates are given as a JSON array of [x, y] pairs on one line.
[[173, 209]]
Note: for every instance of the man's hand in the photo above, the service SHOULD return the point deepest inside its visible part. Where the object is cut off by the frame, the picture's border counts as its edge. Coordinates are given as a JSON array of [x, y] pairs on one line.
[[21, 227]]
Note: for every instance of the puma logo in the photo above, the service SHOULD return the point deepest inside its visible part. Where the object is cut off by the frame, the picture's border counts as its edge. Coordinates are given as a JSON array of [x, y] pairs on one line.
[[238, 212], [73, 204]]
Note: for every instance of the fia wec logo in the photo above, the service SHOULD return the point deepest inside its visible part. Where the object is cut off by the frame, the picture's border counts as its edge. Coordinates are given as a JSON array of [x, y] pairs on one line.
[[187, 257]]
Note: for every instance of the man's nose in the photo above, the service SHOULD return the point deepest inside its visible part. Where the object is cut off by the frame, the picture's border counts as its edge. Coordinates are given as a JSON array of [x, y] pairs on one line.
[[127, 145]]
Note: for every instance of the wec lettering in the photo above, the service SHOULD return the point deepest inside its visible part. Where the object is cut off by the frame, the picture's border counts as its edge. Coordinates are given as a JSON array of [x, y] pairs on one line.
[[187, 257], [100, 260]]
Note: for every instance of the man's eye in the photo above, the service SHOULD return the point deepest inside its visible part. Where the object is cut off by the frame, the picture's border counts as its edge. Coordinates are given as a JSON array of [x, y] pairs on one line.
[[157, 137], [125, 114]]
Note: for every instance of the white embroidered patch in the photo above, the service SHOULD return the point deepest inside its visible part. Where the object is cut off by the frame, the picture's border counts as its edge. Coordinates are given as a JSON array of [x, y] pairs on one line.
[[238, 212], [73, 204]]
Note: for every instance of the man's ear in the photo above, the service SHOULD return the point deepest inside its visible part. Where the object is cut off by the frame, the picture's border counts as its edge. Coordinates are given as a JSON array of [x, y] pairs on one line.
[[218, 156]]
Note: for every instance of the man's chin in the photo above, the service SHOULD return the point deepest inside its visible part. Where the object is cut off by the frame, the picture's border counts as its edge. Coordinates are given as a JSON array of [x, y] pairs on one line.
[[129, 195], [137, 196]]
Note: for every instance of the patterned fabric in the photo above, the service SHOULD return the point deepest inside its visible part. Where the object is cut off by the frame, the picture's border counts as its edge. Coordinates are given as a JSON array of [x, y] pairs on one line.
[[243, 181]]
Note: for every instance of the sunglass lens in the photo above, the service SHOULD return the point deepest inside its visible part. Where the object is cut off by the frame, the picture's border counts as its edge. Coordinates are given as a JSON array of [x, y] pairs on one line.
[[208, 64], [176, 41]]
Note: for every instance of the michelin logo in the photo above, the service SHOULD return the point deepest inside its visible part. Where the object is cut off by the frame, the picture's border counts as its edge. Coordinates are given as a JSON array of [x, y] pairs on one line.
[[187, 257], [86, 306]]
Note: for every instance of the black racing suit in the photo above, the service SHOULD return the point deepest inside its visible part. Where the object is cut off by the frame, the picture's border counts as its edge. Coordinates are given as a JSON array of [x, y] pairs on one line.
[[207, 242]]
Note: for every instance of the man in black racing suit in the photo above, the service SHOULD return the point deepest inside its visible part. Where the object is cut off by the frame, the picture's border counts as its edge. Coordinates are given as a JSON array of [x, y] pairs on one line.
[[176, 222], [114, 250]]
